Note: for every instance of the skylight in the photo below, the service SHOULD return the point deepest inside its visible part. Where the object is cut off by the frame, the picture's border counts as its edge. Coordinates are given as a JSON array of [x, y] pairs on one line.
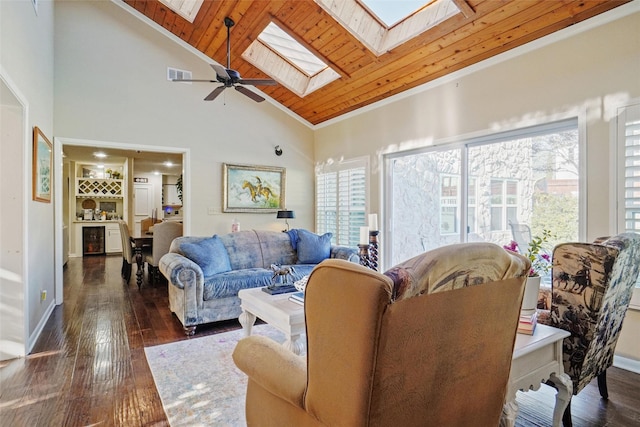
[[188, 9], [290, 49], [392, 11], [283, 58], [370, 23]]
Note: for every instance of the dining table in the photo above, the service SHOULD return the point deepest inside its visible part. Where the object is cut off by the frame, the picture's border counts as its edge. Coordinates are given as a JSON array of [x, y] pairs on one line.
[[144, 240]]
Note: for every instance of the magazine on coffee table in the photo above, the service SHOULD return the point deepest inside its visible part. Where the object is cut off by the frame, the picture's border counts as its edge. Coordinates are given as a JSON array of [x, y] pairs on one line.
[[297, 297]]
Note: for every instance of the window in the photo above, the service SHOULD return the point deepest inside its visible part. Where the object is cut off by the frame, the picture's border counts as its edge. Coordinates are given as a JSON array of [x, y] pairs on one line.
[[449, 201], [294, 66], [383, 25], [341, 196], [471, 190], [471, 206], [628, 171], [504, 203]]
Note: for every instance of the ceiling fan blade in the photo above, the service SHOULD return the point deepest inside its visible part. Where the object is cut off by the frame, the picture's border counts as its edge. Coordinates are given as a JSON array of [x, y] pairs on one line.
[[194, 80], [213, 95], [220, 72], [249, 93], [258, 82]]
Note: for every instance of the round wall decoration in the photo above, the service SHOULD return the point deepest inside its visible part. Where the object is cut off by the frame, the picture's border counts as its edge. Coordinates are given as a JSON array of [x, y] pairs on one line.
[[88, 204]]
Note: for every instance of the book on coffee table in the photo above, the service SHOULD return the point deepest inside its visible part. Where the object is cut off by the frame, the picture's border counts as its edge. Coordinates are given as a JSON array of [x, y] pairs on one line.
[[279, 289], [297, 297]]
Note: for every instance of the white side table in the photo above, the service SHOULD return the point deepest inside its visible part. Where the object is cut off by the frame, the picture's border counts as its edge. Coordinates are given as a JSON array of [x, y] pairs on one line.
[[537, 358]]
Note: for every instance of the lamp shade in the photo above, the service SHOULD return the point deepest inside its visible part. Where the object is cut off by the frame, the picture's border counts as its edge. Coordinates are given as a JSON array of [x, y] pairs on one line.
[[285, 214]]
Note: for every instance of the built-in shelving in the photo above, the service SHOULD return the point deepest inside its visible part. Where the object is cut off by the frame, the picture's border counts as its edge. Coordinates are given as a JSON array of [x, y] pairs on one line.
[[98, 187]]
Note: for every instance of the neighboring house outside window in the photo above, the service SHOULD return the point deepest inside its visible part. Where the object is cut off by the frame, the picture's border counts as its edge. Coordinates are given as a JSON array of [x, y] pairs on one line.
[[504, 203], [341, 200], [471, 190], [472, 197], [449, 204]]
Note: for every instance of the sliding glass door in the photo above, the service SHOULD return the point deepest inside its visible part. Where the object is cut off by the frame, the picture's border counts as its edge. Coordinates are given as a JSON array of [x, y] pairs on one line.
[[475, 190]]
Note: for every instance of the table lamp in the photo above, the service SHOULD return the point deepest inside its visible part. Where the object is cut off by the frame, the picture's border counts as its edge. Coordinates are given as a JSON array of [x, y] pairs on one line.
[[286, 214]]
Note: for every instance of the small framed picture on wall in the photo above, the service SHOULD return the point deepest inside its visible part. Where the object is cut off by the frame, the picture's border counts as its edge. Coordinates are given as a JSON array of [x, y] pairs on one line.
[[42, 164]]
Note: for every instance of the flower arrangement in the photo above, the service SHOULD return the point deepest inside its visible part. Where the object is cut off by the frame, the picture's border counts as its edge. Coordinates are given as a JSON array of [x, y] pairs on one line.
[[540, 262]]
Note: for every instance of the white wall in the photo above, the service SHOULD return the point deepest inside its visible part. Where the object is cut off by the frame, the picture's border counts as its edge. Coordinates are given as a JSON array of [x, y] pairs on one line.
[[26, 57], [111, 86], [586, 75]]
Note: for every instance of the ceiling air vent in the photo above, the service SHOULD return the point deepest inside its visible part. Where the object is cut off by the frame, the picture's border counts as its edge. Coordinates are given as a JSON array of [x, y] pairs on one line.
[[174, 73]]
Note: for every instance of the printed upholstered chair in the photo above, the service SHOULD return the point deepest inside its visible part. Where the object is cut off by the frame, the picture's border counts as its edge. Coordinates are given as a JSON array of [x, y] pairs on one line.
[[592, 287], [430, 342]]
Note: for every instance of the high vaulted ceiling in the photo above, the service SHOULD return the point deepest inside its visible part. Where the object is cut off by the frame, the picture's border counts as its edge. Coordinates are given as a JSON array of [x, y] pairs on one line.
[[481, 29]]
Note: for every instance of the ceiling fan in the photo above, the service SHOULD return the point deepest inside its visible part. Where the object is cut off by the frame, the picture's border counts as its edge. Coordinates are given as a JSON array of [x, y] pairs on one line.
[[231, 78]]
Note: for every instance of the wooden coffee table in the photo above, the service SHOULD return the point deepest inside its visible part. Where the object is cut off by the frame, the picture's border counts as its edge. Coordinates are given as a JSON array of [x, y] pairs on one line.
[[277, 311]]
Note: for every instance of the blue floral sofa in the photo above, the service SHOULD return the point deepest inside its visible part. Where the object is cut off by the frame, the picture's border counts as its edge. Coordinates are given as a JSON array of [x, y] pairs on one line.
[[206, 273]]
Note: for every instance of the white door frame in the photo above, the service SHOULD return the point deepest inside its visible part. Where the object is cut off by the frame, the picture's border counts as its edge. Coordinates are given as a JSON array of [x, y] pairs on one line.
[[12, 346], [59, 142]]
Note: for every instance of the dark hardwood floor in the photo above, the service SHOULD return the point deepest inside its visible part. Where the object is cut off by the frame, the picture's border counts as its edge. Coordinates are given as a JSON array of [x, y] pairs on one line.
[[89, 367]]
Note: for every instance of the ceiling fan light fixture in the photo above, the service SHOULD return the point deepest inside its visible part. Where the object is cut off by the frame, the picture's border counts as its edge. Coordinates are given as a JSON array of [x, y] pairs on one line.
[[231, 78]]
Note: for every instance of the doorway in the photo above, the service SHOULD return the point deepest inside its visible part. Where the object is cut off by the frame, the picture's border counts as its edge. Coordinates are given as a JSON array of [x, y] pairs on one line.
[[13, 283], [82, 152]]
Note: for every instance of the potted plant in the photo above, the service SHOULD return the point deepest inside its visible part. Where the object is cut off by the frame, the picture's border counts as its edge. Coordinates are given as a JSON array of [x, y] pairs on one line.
[[179, 188], [540, 265]]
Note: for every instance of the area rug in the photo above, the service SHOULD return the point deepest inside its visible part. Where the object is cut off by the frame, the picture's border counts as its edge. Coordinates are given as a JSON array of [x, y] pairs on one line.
[[198, 382]]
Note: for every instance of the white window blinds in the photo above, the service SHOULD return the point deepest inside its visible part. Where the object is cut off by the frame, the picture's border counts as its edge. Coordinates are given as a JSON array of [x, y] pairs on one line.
[[341, 199]]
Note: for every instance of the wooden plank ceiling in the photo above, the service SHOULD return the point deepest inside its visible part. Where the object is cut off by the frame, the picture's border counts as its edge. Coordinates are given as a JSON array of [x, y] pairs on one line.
[[484, 28]]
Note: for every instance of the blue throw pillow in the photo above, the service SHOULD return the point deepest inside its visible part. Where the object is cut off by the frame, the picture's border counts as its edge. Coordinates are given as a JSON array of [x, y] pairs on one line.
[[312, 248], [210, 254]]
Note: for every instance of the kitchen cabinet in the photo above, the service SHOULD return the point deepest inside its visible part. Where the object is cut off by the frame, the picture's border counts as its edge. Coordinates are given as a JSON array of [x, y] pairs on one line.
[[113, 242], [170, 195], [97, 187]]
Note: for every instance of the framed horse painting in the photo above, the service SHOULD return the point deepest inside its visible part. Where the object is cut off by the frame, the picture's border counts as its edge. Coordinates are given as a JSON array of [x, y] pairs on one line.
[[248, 188]]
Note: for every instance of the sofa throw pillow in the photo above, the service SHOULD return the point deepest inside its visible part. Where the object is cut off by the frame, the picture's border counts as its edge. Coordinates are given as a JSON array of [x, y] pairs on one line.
[[210, 254], [313, 248]]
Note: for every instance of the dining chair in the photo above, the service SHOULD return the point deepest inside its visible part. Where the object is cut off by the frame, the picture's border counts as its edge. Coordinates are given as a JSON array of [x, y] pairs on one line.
[[163, 235], [128, 253]]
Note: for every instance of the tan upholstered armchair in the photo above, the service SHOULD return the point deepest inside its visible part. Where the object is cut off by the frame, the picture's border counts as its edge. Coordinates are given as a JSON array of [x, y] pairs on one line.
[[428, 343], [592, 286]]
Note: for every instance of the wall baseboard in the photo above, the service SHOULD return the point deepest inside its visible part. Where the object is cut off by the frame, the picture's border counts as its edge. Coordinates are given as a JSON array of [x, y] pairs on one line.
[[43, 321], [626, 364]]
